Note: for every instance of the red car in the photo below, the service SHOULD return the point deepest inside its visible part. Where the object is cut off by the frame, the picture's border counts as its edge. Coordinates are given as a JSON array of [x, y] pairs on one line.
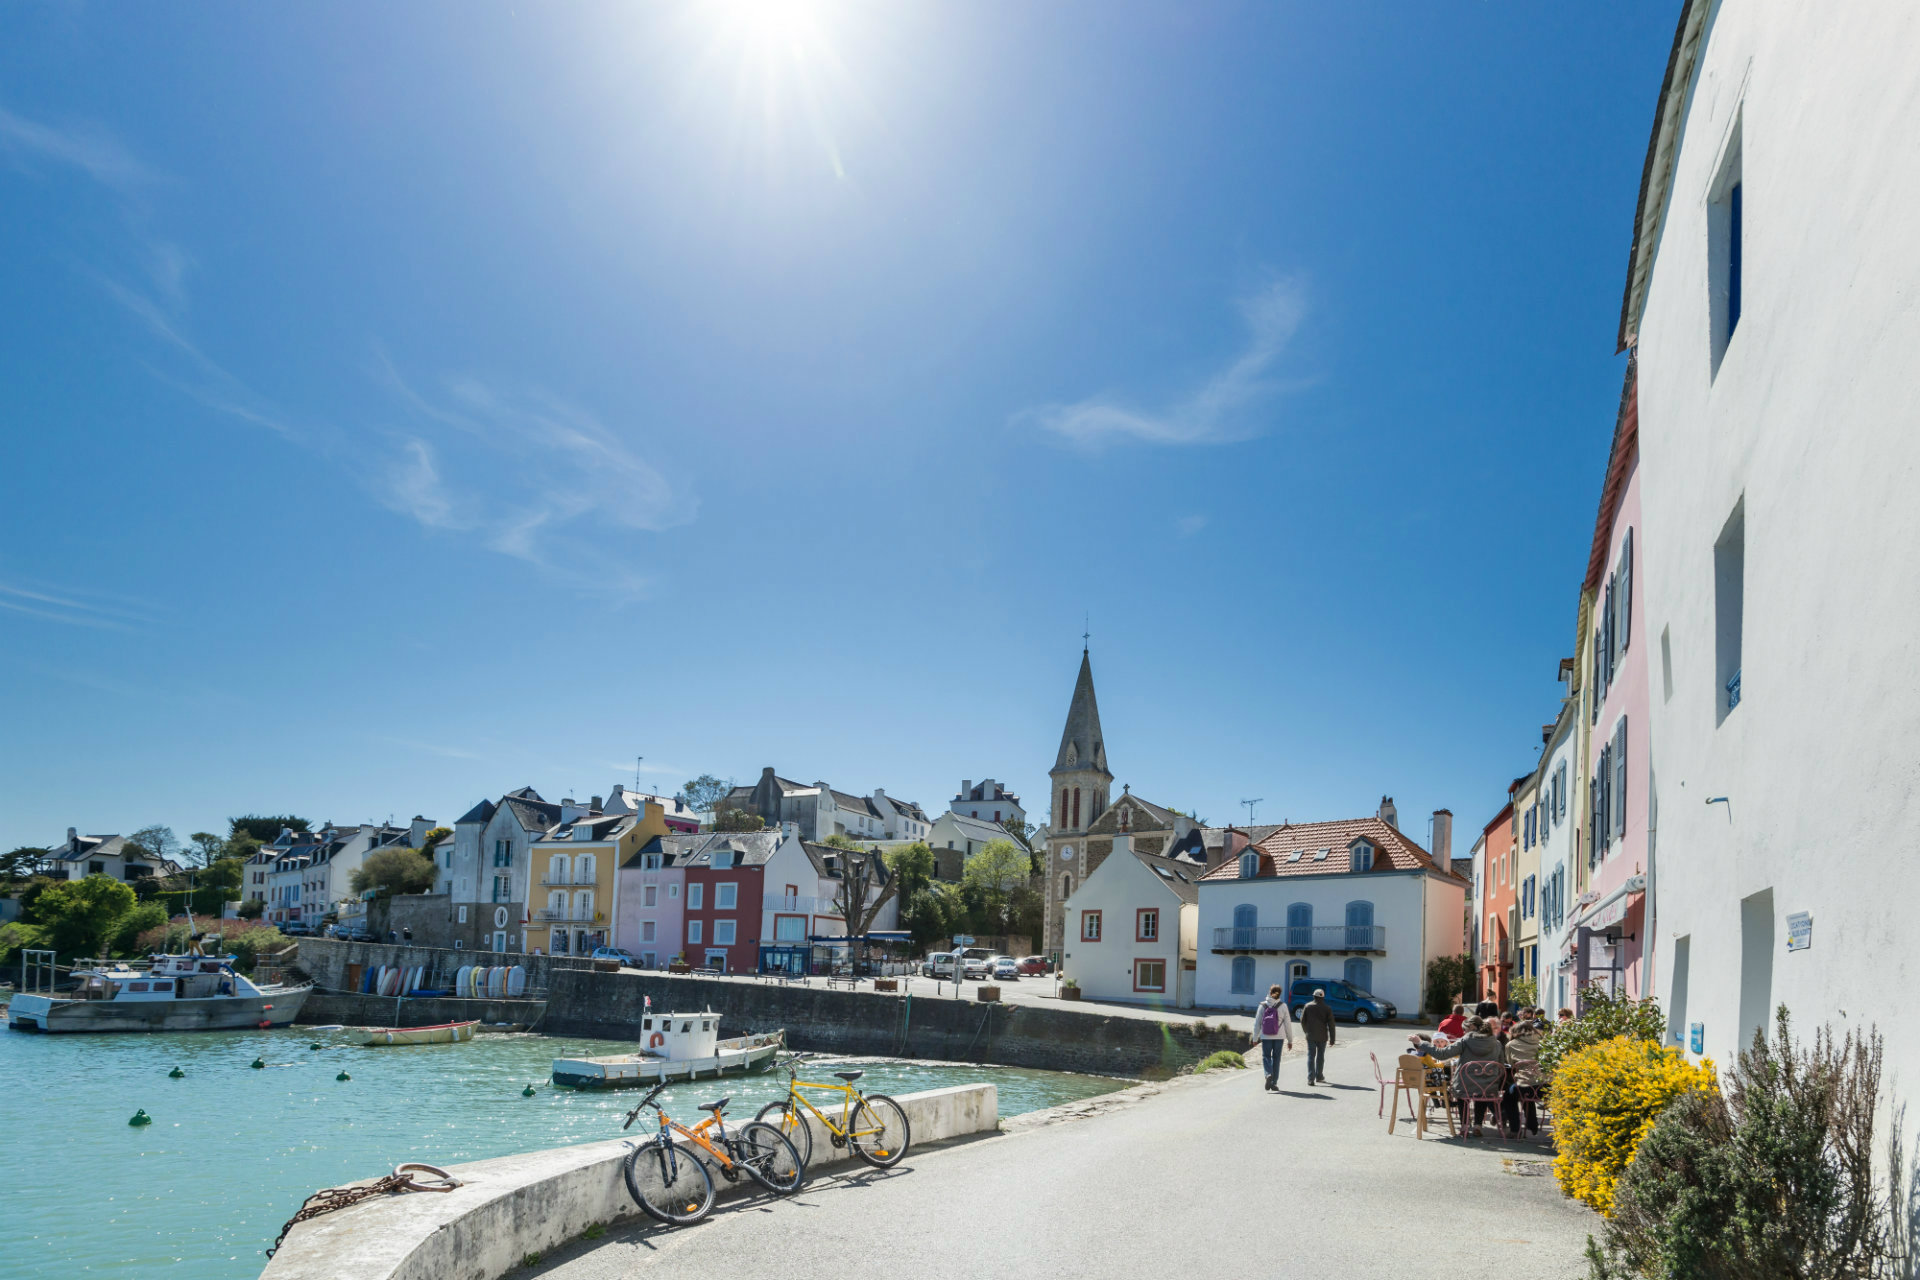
[[1035, 965]]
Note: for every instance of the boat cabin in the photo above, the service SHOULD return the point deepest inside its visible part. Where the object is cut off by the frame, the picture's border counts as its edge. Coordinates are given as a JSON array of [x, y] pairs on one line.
[[166, 978], [678, 1037]]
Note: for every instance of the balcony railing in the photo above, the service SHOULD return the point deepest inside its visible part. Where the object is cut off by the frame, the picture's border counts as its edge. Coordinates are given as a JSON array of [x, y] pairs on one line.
[[1733, 691], [564, 915], [1322, 937], [566, 881]]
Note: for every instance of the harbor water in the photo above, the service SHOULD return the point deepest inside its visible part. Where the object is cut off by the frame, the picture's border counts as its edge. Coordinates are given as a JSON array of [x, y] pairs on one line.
[[233, 1150]]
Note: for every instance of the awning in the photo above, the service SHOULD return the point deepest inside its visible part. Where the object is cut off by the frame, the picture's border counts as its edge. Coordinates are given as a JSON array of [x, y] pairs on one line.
[[1613, 908]]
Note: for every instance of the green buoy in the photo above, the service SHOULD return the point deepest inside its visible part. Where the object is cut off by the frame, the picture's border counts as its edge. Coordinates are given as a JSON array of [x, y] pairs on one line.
[[259, 1064], [314, 1045], [176, 1074], [343, 1076], [141, 1117], [527, 1092]]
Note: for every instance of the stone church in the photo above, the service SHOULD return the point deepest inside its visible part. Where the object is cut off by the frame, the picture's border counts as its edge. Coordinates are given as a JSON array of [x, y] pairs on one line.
[[1084, 824]]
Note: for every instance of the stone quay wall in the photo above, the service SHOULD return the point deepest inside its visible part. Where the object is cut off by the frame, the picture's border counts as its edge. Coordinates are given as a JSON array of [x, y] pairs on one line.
[[514, 1206], [327, 960], [583, 1002], [324, 1008]]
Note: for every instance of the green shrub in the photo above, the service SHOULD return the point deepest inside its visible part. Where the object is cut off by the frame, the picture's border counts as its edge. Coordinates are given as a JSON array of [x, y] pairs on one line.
[[1603, 1016], [127, 930], [1449, 980], [1607, 1098], [1772, 1180], [1224, 1058], [17, 936]]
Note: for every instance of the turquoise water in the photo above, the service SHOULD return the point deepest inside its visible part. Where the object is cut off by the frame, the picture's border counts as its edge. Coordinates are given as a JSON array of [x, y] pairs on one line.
[[233, 1151]]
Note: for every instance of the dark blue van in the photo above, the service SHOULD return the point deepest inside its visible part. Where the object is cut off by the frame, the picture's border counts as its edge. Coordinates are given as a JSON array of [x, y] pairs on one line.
[[1345, 999]]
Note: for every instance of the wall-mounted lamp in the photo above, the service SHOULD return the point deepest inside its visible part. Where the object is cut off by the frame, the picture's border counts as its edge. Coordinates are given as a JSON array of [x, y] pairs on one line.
[[1725, 801]]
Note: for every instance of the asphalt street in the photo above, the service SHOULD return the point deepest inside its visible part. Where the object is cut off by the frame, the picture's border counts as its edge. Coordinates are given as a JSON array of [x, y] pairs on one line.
[[1210, 1176]]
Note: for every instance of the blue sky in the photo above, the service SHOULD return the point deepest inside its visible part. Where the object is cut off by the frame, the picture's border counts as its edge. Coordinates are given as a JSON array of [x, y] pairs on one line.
[[405, 405]]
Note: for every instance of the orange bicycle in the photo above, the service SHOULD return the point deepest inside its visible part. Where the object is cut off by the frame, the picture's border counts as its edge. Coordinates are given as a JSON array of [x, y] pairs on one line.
[[673, 1184]]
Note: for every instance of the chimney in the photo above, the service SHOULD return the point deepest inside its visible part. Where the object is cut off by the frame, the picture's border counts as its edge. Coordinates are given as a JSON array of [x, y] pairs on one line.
[[417, 831], [593, 804], [1388, 814], [72, 835], [569, 810], [966, 788], [1442, 850]]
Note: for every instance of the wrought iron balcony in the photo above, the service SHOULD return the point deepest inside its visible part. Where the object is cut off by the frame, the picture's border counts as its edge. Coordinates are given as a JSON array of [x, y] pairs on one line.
[[1733, 691], [564, 915], [1286, 937], [563, 881]]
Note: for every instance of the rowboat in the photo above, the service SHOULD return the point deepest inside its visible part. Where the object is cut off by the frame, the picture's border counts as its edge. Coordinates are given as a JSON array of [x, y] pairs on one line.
[[673, 1046], [443, 1033]]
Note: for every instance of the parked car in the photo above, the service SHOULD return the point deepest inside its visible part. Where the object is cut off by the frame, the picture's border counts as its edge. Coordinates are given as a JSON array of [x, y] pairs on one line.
[[1035, 965], [1006, 969], [1345, 999], [938, 964], [294, 929], [621, 954], [978, 967]]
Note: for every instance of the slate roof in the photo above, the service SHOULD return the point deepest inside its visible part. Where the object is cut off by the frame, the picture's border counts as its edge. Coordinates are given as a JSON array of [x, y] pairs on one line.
[[1297, 850], [532, 815], [858, 804], [976, 828], [481, 813], [909, 808], [1180, 877], [1082, 730], [819, 853], [600, 827], [750, 848]]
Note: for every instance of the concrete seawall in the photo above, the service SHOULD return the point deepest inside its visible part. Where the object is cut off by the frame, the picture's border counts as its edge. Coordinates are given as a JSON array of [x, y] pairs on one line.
[[582, 1002], [519, 1205]]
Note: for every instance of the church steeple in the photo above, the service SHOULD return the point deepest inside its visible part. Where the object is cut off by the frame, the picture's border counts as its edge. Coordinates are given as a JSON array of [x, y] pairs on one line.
[[1080, 776]]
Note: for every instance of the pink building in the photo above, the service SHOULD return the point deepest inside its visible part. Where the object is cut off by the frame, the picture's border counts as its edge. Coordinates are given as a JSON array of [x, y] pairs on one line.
[[649, 920], [1611, 933]]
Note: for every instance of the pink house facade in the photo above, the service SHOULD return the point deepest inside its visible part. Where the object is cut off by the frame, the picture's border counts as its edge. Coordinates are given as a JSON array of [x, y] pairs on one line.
[[649, 920], [1611, 927]]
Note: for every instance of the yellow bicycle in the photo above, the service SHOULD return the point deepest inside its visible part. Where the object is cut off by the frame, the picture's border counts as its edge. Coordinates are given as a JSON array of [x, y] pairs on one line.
[[872, 1125]]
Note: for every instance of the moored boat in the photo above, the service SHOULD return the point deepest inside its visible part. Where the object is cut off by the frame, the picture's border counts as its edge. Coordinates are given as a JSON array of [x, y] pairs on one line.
[[173, 993], [673, 1046], [441, 1033]]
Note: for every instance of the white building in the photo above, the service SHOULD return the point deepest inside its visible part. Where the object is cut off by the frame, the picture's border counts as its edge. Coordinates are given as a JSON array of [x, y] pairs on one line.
[[1354, 900], [1132, 928], [954, 838], [987, 801], [78, 857], [1549, 900], [1776, 333], [818, 811], [491, 865]]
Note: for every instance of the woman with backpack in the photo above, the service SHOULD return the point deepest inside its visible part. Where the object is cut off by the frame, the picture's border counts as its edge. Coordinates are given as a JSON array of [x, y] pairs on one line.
[[1272, 1027]]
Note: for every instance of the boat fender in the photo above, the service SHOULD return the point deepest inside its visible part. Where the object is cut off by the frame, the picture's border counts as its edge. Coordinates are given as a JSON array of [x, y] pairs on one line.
[[265, 1025], [343, 1076], [140, 1117], [176, 1074], [259, 1064]]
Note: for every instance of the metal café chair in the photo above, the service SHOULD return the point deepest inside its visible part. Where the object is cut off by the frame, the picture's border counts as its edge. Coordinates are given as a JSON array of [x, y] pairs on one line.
[[1380, 1079], [1483, 1081]]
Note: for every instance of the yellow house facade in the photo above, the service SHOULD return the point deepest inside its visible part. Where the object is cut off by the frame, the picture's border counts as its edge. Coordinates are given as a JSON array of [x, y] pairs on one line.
[[576, 876]]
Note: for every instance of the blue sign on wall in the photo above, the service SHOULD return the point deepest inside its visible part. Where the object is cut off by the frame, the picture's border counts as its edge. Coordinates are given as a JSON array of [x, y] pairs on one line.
[[1697, 1037]]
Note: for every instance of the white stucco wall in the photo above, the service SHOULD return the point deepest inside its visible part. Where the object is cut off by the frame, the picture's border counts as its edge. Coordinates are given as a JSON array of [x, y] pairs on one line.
[[1118, 889], [1811, 422]]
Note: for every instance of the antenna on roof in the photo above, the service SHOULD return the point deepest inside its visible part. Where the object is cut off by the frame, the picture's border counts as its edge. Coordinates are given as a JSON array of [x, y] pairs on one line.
[[1250, 804], [1086, 635], [636, 771]]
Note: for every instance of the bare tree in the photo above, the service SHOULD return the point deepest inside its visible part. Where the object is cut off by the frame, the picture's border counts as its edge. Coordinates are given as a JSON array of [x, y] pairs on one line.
[[862, 886]]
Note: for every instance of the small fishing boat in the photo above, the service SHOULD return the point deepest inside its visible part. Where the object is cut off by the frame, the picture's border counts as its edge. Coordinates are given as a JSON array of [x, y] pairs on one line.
[[199, 991], [673, 1046], [442, 1033]]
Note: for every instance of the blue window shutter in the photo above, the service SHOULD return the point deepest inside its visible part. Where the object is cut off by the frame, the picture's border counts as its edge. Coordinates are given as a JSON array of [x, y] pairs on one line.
[[1733, 259]]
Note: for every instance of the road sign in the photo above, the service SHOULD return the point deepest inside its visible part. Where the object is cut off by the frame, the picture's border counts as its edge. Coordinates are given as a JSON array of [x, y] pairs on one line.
[[962, 939]]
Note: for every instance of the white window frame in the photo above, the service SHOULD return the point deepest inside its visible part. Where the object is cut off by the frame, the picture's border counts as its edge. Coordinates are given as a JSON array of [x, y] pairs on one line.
[[696, 897], [724, 933], [694, 932], [726, 895]]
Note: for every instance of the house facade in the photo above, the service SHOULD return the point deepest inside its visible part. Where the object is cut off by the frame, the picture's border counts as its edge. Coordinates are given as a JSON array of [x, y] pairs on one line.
[[1556, 782], [649, 901], [725, 891], [578, 862], [78, 857], [1135, 921], [1774, 332], [818, 811], [1494, 914], [955, 837], [1354, 900], [492, 846], [987, 801]]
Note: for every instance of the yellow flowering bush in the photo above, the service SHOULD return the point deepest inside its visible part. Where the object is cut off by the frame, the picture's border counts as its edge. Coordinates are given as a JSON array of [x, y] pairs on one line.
[[1605, 1099]]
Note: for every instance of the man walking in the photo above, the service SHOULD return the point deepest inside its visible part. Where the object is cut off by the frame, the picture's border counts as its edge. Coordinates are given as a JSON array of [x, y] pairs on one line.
[[1272, 1027], [1317, 1021]]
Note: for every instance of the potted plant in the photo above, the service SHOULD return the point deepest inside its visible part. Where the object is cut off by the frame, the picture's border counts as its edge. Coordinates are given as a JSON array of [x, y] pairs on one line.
[[1069, 989], [679, 964]]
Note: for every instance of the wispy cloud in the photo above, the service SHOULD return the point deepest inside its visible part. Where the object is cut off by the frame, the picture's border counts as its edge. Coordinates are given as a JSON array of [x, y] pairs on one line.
[[74, 608], [1187, 526], [84, 147], [1215, 412], [533, 476]]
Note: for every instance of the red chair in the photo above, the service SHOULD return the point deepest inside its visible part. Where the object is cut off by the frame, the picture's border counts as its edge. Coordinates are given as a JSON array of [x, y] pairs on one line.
[[1482, 1081]]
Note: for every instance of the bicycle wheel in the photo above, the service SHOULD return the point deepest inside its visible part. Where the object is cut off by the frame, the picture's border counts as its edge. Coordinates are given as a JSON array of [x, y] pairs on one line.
[[770, 1159], [880, 1133], [793, 1126], [669, 1184]]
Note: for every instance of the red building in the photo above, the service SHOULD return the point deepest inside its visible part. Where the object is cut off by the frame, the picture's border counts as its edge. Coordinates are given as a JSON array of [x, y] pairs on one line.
[[1494, 920], [724, 895]]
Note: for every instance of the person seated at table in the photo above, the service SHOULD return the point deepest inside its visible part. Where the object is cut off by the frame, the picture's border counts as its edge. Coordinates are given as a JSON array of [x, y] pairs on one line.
[[1454, 1025], [1523, 1062], [1566, 1015], [1478, 1045]]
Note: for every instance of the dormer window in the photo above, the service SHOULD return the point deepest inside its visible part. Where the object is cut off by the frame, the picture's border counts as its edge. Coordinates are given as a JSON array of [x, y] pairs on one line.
[[1362, 855], [1249, 865], [723, 860]]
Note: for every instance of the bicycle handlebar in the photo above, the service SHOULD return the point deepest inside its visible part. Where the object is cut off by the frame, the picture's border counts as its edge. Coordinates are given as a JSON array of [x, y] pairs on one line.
[[644, 1103]]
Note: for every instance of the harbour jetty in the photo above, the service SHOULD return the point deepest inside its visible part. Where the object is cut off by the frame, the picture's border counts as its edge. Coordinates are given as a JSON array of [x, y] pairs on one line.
[[580, 1001]]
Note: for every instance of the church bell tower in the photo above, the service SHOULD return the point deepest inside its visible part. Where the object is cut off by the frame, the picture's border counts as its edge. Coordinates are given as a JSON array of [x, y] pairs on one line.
[[1081, 783]]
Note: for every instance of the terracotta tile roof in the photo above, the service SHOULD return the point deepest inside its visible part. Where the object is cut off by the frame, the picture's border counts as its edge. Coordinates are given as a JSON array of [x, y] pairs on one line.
[[1297, 850]]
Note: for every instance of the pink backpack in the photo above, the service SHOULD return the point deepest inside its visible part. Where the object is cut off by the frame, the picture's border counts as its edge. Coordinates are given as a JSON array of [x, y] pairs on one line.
[[1270, 1020]]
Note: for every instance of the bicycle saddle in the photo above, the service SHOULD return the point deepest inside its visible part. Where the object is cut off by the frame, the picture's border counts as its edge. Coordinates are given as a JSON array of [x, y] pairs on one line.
[[849, 1076], [716, 1107]]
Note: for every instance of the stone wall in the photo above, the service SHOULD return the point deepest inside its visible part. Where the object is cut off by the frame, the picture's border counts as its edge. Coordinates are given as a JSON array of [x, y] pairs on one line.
[[327, 961], [325, 1008]]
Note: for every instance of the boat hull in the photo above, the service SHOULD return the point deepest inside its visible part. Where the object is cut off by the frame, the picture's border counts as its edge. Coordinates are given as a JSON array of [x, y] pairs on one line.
[[632, 1071], [445, 1033], [278, 1008]]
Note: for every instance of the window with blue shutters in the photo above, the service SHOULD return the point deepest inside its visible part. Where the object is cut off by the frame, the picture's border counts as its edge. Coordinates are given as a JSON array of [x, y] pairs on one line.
[[1300, 925], [1359, 973], [1242, 984], [1360, 925]]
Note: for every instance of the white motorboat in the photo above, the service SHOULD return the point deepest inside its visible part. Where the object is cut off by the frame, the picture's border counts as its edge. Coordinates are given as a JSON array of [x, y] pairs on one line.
[[673, 1046], [173, 993]]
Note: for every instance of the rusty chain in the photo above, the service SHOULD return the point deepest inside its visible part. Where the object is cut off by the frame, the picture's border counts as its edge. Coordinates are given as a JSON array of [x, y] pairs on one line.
[[331, 1198]]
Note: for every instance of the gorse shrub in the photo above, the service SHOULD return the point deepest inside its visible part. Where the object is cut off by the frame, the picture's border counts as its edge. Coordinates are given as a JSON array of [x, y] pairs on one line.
[[1224, 1058], [1771, 1181], [1603, 1016], [1606, 1098]]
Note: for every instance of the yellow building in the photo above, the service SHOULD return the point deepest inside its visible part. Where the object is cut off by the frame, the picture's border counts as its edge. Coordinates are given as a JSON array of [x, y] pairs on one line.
[[576, 867]]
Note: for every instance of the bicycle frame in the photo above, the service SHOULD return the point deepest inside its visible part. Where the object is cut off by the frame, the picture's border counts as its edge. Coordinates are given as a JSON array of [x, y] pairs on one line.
[[848, 1096], [696, 1135]]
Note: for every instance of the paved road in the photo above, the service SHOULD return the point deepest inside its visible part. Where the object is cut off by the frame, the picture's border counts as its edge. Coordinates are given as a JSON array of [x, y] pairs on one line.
[[1210, 1177]]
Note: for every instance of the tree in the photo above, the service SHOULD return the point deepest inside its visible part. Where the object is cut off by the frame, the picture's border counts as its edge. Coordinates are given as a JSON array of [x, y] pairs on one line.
[[391, 871], [79, 915], [994, 874], [241, 846], [433, 838], [912, 867], [21, 862], [159, 842], [1021, 831], [128, 928], [861, 889], [931, 915], [728, 818], [264, 829], [704, 793], [838, 841], [206, 847]]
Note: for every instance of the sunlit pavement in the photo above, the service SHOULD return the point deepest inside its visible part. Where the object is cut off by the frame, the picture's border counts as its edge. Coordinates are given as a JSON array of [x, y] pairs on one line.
[[1211, 1177]]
